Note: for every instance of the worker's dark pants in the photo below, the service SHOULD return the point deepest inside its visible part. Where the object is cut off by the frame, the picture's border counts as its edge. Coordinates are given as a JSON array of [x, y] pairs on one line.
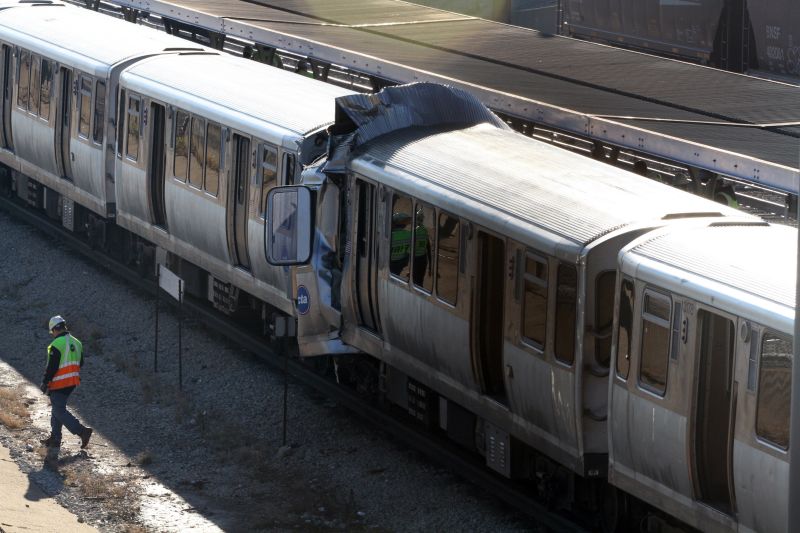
[[59, 416]]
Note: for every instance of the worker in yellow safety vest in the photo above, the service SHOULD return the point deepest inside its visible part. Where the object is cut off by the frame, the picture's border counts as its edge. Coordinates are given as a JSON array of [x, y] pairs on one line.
[[400, 243], [422, 250], [62, 375]]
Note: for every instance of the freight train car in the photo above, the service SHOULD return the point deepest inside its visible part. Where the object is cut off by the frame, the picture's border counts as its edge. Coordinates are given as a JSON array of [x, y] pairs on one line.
[[729, 34]]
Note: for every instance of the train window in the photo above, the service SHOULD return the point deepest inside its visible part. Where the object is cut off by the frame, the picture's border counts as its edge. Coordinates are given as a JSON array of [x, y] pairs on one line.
[[424, 233], [213, 151], [288, 169], [365, 201], [399, 263], [752, 360], [447, 242], [677, 315], [197, 148], [625, 331], [604, 316], [36, 67], [45, 88], [120, 121], [655, 341], [774, 389], [99, 112], [268, 168], [85, 109], [181, 160], [566, 311], [23, 78], [132, 144], [534, 308]]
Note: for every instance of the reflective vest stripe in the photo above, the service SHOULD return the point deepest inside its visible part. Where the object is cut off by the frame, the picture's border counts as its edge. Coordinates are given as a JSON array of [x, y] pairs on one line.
[[68, 362], [66, 376], [62, 383]]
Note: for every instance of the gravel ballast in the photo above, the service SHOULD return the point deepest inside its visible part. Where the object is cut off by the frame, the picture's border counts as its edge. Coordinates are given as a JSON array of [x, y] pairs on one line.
[[210, 456]]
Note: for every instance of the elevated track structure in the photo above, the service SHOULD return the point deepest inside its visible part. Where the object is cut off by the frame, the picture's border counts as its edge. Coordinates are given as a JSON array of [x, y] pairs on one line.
[[695, 126]]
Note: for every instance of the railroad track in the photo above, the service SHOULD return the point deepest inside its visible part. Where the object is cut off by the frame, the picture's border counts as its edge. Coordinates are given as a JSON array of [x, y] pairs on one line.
[[435, 448]]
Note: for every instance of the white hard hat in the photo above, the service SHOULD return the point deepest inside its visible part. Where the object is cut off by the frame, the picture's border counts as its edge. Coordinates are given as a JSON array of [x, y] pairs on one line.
[[56, 321]]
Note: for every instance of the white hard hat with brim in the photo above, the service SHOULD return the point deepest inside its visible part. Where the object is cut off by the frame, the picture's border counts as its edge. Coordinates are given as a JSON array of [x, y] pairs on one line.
[[56, 321]]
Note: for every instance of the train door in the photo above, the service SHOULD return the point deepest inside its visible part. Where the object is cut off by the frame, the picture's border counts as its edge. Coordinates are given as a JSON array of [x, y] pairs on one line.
[[239, 200], [487, 316], [64, 114], [157, 172], [366, 257], [6, 102], [714, 415]]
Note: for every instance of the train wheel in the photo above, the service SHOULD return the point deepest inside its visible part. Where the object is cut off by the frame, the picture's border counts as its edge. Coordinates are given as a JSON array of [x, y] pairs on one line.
[[146, 261], [616, 511], [124, 248], [5, 183], [96, 233]]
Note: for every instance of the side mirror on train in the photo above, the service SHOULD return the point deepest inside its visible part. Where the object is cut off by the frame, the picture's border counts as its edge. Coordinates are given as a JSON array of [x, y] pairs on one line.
[[289, 231]]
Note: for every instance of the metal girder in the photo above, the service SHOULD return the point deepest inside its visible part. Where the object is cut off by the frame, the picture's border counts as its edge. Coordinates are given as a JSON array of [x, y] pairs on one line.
[[681, 151], [130, 14], [211, 38]]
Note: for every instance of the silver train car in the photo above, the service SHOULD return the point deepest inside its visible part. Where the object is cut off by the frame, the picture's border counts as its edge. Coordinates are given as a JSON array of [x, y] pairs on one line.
[[506, 307], [159, 150], [203, 139], [699, 397], [479, 268], [59, 75]]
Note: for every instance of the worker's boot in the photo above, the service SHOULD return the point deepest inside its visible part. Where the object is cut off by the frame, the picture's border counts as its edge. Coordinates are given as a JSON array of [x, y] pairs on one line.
[[86, 434], [51, 442]]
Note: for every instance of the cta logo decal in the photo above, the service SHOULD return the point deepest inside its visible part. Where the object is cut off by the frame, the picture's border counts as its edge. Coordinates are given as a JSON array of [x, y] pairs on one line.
[[303, 300]]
